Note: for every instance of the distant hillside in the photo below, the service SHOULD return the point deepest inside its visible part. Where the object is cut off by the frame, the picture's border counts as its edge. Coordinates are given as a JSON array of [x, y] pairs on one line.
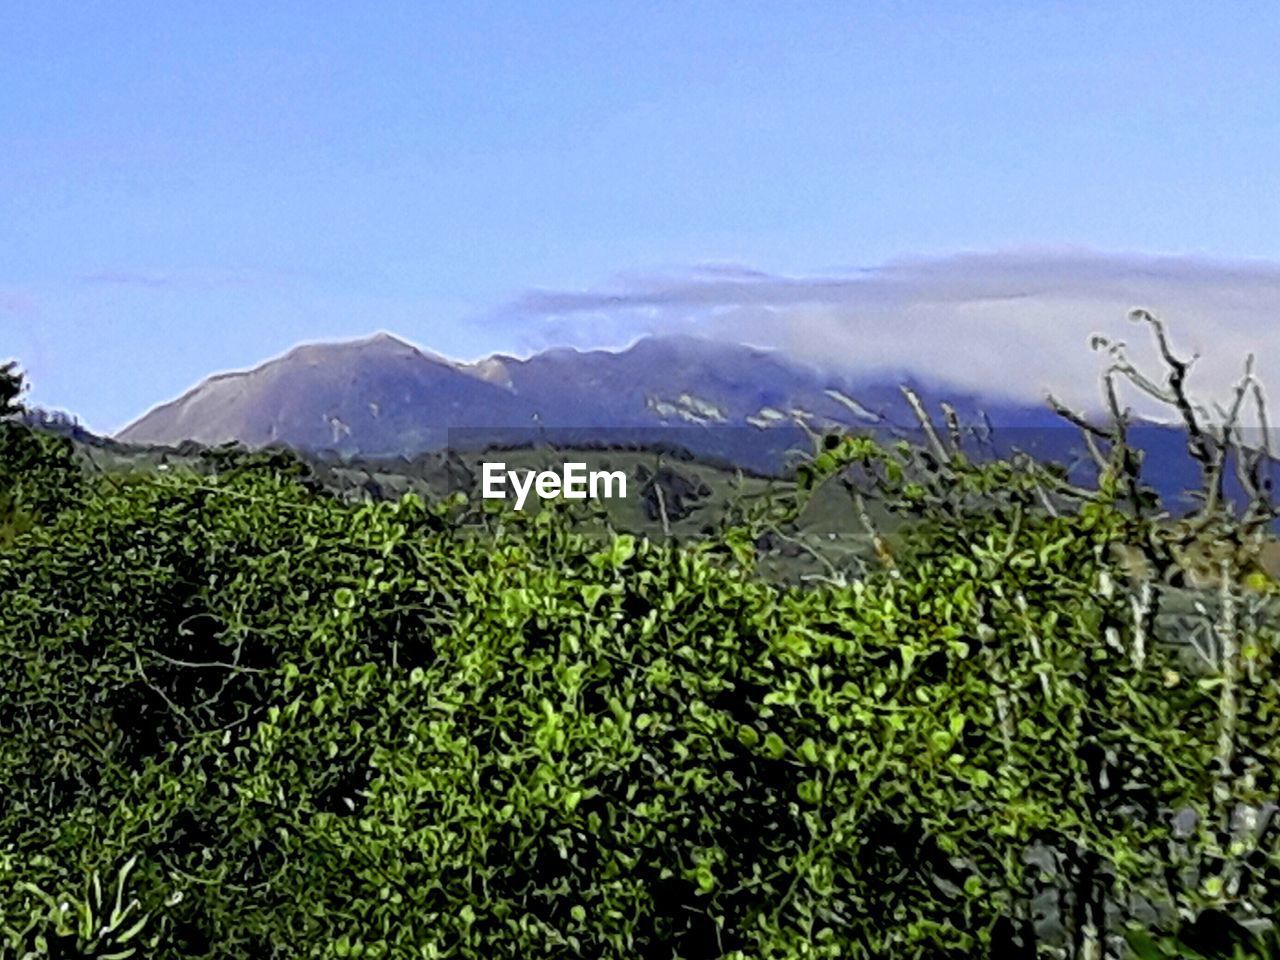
[[62, 424], [381, 397]]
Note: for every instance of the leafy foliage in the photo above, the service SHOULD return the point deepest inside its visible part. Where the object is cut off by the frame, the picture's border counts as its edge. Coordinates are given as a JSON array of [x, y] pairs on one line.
[[100, 924], [315, 728], [11, 388]]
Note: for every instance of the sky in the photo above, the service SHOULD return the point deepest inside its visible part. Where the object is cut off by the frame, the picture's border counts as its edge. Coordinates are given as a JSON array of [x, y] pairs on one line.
[[187, 188]]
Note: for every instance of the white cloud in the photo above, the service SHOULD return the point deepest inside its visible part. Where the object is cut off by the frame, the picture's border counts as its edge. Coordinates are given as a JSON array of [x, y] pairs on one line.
[[1006, 324]]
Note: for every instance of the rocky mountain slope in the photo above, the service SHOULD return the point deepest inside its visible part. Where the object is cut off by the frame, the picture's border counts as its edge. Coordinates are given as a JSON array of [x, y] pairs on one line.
[[381, 397]]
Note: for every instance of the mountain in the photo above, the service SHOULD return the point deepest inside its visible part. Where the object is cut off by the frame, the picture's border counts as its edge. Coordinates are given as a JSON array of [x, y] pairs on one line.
[[381, 397], [372, 395]]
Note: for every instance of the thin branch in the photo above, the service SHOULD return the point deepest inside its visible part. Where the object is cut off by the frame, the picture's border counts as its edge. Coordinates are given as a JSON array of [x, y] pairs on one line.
[[1087, 429], [953, 427], [1178, 371], [926, 422], [216, 665]]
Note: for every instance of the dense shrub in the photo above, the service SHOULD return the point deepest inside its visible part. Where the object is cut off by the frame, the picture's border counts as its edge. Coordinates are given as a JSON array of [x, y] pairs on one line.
[[38, 472], [317, 729], [39, 477]]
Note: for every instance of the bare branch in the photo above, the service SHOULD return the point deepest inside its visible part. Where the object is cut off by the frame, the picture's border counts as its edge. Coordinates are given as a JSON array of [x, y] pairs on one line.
[[926, 422], [953, 427], [1178, 370], [1087, 430]]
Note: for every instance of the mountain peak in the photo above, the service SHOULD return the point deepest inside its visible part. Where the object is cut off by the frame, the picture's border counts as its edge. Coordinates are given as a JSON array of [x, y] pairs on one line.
[[381, 395], [382, 339], [371, 348]]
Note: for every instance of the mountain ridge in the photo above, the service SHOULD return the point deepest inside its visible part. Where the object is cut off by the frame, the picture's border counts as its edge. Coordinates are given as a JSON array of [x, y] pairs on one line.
[[648, 383], [382, 396]]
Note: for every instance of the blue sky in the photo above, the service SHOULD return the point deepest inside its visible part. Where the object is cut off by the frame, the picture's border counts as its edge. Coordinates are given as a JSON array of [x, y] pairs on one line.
[[189, 187]]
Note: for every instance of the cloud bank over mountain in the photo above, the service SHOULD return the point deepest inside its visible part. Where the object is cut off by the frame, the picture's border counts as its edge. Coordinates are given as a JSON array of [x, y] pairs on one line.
[[1007, 324]]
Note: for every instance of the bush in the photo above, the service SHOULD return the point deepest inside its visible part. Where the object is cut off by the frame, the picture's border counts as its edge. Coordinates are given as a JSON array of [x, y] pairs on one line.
[[301, 727], [336, 730]]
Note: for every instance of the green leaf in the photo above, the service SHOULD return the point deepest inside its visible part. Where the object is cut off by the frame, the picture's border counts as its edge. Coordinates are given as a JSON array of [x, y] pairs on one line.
[[774, 746]]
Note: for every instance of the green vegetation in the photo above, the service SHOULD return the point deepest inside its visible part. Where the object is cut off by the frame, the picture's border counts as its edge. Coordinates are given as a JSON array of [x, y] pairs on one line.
[[244, 716], [673, 494]]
